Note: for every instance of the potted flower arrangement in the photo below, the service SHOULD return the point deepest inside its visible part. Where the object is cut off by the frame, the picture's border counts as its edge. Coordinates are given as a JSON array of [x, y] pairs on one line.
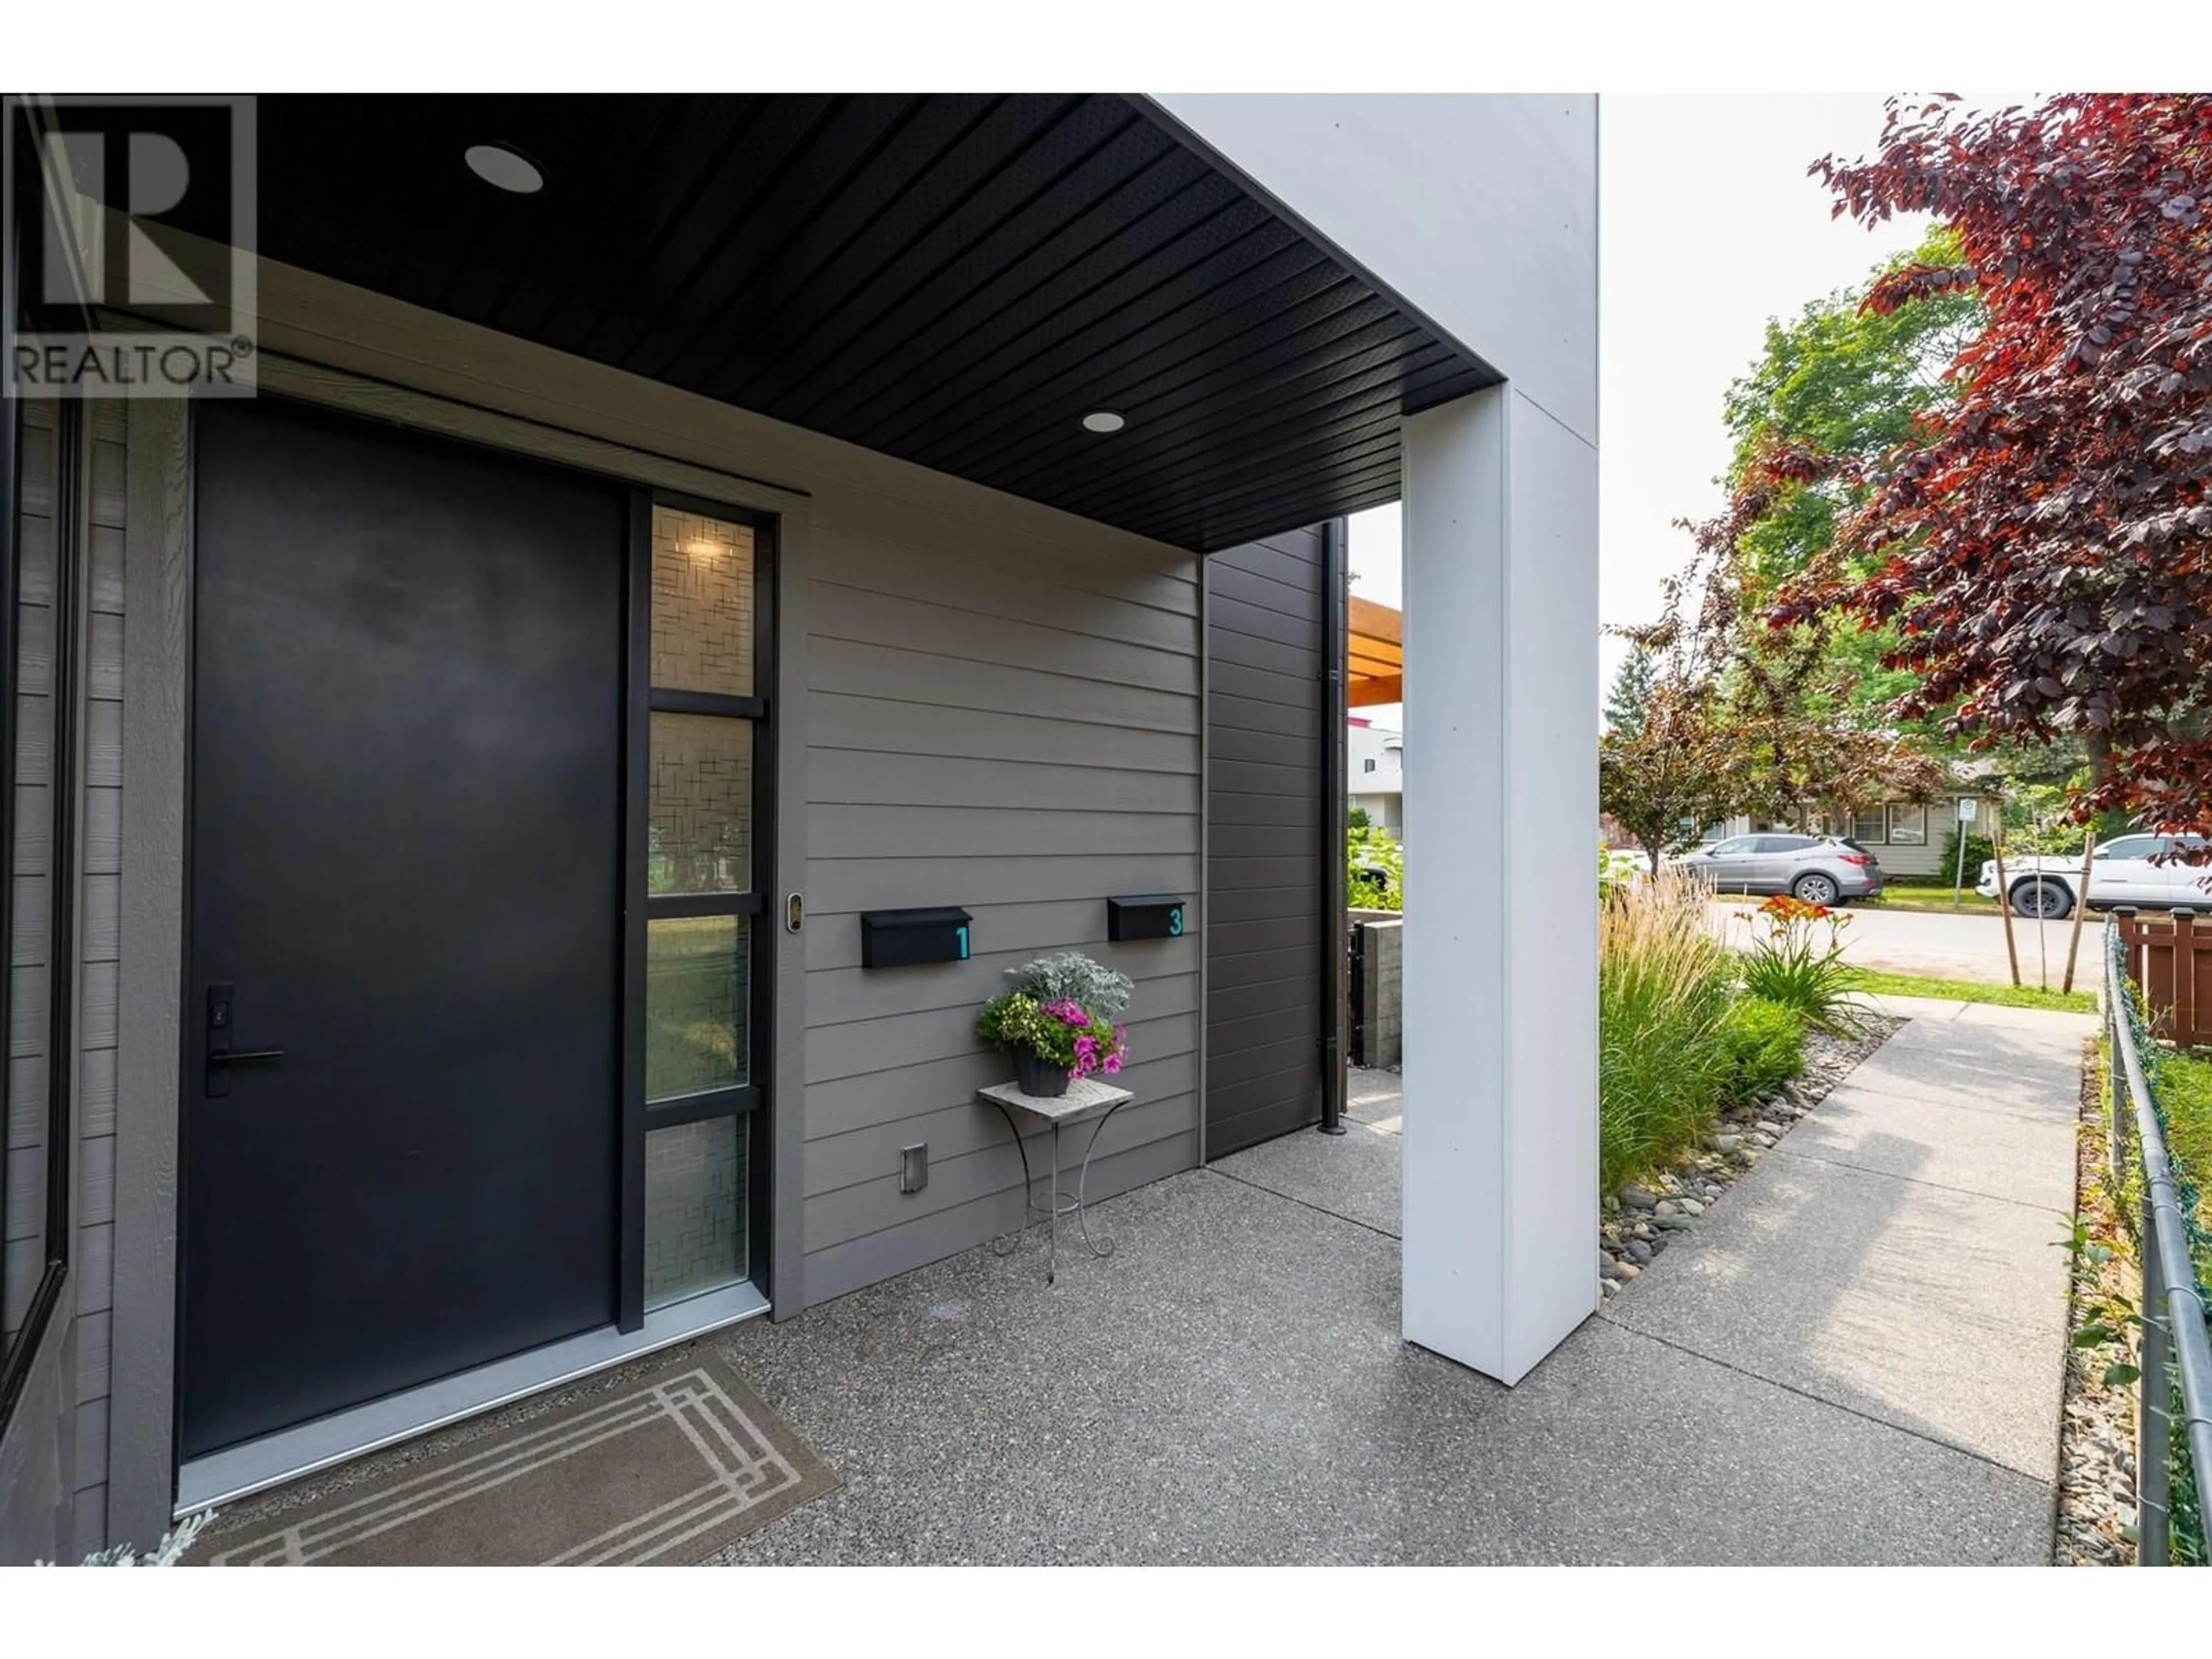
[[1058, 1022]]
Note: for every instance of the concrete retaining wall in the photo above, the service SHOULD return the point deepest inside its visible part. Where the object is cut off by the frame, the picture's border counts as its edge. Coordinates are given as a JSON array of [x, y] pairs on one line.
[[1377, 942]]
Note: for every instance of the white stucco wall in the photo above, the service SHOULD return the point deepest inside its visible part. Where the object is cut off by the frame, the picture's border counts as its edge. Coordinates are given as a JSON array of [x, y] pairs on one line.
[[1363, 744], [1480, 213], [1500, 949]]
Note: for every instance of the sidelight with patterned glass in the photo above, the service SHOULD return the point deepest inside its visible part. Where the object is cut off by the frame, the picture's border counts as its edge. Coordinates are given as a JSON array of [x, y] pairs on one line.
[[701, 881]]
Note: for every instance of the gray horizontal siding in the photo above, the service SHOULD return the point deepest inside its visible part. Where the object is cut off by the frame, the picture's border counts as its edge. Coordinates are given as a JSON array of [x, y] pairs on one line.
[[1282, 587], [991, 1167], [881, 1120], [24, 1192], [886, 726], [837, 1268], [98, 938], [897, 1041], [81, 1477], [843, 886], [1144, 604], [1014, 931], [874, 777], [1018, 735], [840, 832], [860, 617], [838, 996], [936, 680], [1264, 778], [866, 1099]]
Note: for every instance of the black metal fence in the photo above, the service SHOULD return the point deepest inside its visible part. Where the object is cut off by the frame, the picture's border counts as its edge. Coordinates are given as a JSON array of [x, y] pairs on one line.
[[2174, 1409]]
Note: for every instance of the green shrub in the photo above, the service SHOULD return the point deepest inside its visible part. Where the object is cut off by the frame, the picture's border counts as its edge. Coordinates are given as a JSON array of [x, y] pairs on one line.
[[1375, 870], [1663, 995], [1980, 849], [1766, 1048]]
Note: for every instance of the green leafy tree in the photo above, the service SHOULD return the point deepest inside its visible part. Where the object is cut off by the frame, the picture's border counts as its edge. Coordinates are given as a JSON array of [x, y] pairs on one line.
[[2041, 545], [1810, 703], [1631, 691], [1677, 772], [1840, 379]]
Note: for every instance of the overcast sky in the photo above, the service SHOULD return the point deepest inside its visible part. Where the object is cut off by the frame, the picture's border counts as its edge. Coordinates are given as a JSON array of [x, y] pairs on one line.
[[1708, 226]]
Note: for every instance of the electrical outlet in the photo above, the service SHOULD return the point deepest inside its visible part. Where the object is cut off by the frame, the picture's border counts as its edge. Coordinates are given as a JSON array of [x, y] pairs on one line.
[[913, 1167]]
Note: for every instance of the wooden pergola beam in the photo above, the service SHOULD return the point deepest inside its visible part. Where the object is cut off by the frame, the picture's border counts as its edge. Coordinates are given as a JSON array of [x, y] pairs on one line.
[[1375, 622], [1375, 654]]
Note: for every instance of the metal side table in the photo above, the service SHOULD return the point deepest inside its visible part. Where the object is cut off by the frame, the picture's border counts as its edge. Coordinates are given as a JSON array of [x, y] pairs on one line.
[[1086, 1098]]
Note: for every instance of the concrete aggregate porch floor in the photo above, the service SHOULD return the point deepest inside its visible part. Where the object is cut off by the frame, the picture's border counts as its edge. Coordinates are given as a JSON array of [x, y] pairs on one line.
[[1232, 1387]]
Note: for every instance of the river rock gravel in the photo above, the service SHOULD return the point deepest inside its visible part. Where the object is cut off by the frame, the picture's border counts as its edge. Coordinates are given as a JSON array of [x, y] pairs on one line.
[[2097, 1435]]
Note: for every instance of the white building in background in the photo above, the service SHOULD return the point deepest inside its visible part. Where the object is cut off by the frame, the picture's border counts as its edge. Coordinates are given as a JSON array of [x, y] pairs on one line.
[[1375, 773]]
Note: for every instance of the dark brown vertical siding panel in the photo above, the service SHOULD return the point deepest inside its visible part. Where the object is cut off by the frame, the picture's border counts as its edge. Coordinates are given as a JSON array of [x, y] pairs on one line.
[[1264, 657]]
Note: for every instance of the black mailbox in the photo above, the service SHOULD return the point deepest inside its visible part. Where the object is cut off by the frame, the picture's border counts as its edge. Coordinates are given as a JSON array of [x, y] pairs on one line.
[[1145, 915], [907, 938]]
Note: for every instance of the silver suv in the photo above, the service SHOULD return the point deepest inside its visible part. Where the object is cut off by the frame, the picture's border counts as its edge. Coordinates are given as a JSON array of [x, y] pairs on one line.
[[1819, 869]]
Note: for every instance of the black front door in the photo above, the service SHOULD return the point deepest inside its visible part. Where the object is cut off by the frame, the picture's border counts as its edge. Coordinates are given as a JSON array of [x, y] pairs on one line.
[[406, 812]]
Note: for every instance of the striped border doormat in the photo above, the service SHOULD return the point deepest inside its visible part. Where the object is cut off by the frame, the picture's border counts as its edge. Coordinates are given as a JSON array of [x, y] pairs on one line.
[[667, 1467]]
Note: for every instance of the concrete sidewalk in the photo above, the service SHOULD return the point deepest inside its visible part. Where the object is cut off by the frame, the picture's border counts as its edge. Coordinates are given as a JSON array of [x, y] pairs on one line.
[[1895, 1255], [1857, 1359], [1892, 1261]]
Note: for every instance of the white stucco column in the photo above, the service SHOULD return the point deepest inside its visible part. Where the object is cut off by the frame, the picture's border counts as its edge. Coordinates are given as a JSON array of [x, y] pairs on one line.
[[1500, 1134]]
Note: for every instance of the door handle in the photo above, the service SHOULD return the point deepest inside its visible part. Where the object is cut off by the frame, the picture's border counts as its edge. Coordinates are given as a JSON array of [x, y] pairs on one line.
[[221, 1019]]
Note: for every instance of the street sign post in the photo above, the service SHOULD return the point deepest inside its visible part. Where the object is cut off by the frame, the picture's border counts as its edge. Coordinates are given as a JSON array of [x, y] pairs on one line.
[[1967, 807]]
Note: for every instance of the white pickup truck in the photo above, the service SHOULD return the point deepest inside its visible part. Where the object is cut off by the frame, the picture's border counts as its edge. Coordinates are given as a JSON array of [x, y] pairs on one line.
[[2136, 870]]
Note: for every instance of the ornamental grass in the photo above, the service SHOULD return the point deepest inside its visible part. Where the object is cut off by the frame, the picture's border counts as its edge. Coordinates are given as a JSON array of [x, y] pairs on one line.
[[1665, 987]]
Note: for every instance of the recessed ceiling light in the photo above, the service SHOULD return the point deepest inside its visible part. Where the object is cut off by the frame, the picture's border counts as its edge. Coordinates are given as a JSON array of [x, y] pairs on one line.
[[504, 169], [1103, 420]]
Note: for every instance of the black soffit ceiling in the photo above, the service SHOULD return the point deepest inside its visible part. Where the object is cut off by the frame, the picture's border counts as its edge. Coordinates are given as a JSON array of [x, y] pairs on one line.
[[955, 280]]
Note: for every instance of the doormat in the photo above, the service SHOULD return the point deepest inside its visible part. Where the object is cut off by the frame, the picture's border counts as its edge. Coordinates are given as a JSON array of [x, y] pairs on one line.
[[667, 1468]]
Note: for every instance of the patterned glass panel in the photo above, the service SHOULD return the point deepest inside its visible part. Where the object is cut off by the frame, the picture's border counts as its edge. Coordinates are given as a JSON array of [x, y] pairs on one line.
[[700, 831], [697, 989], [702, 604], [695, 1209]]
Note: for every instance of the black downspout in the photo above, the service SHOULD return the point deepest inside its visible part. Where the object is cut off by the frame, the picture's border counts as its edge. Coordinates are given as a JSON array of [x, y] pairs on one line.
[[1334, 586]]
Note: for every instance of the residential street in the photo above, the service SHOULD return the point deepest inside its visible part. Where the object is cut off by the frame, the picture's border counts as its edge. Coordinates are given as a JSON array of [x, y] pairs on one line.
[[1949, 946]]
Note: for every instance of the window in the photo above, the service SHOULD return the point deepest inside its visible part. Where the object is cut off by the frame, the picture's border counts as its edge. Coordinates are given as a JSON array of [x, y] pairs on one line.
[[1735, 846], [41, 449], [1785, 843], [1367, 765], [1908, 825], [2130, 847], [1869, 826], [705, 966]]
